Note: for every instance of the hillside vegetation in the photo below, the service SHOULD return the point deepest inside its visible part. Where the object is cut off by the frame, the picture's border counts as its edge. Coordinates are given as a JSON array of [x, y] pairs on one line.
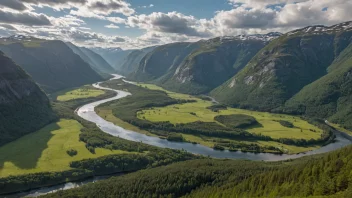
[[201, 66], [284, 67], [325, 175], [330, 96], [24, 107], [52, 64], [93, 59]]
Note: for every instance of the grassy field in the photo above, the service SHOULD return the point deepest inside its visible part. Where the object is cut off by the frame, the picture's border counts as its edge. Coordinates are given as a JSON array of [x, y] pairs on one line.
[[84, 92], [45, 150], [181, 113]]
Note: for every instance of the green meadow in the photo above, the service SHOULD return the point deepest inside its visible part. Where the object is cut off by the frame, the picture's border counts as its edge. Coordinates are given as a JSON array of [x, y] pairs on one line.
[[84, 92], [181, 113], [46, 150]]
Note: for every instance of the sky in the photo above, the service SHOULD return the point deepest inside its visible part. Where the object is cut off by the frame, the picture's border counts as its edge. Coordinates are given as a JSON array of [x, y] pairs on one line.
[[132, 24]]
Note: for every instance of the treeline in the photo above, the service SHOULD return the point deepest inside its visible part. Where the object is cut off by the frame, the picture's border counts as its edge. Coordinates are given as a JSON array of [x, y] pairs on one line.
[[24, 116], [132, 162], [91, 167], [217, 107], [326, 175], [326, 137], [245, 147], [175, 180], [236, 120], [31, 181]]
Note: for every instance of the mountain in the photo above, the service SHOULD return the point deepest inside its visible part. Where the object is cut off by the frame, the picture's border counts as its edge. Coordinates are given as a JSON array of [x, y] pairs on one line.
[[93, 59], [130, 63], [161, 60], [51, 63], [284, 67], [114, 56], [330, 96], [24, 107], [201, 66]]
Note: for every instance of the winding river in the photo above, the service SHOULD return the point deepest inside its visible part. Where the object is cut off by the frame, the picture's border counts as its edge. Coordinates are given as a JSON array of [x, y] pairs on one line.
[[87, 112]]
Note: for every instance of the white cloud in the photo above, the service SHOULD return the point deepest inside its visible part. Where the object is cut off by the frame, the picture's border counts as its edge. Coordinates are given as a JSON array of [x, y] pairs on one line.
[[117, 20], [112, 26], [171, 22]]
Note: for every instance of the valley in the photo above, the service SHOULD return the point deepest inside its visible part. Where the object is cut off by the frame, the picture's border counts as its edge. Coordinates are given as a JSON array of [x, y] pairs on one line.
[[251, 115]]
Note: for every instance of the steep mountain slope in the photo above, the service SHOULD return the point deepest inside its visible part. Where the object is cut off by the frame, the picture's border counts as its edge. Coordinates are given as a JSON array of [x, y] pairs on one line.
[[24, 108], [131, 62], [214, 62], [199, 67], [329, 97], [93, 59], [284, 67], [162, 60], [51, 64], [114, 56]]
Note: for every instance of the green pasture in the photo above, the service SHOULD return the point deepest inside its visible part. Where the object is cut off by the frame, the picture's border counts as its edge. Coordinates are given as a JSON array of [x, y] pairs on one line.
[[84, 92], [45, 150], [181, 113]]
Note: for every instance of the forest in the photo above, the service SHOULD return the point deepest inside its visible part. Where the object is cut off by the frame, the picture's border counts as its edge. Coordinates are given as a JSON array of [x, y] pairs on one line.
[[322, 175]]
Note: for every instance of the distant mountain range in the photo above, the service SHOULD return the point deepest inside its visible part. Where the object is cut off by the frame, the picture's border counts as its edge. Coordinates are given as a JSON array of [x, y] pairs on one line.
[[24, 107], [114, 56]]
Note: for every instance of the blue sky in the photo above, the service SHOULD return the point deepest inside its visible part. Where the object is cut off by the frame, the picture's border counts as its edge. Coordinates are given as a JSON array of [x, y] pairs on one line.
[[142, 23]]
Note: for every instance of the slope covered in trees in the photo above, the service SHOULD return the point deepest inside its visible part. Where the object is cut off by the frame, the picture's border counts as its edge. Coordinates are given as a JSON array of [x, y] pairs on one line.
[[52, 64], [330, 96], [324, 175], [284, 67], [24, 107]]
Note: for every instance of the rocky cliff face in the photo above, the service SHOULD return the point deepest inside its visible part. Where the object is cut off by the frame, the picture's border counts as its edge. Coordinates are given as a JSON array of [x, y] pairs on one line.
[[24, 107]]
